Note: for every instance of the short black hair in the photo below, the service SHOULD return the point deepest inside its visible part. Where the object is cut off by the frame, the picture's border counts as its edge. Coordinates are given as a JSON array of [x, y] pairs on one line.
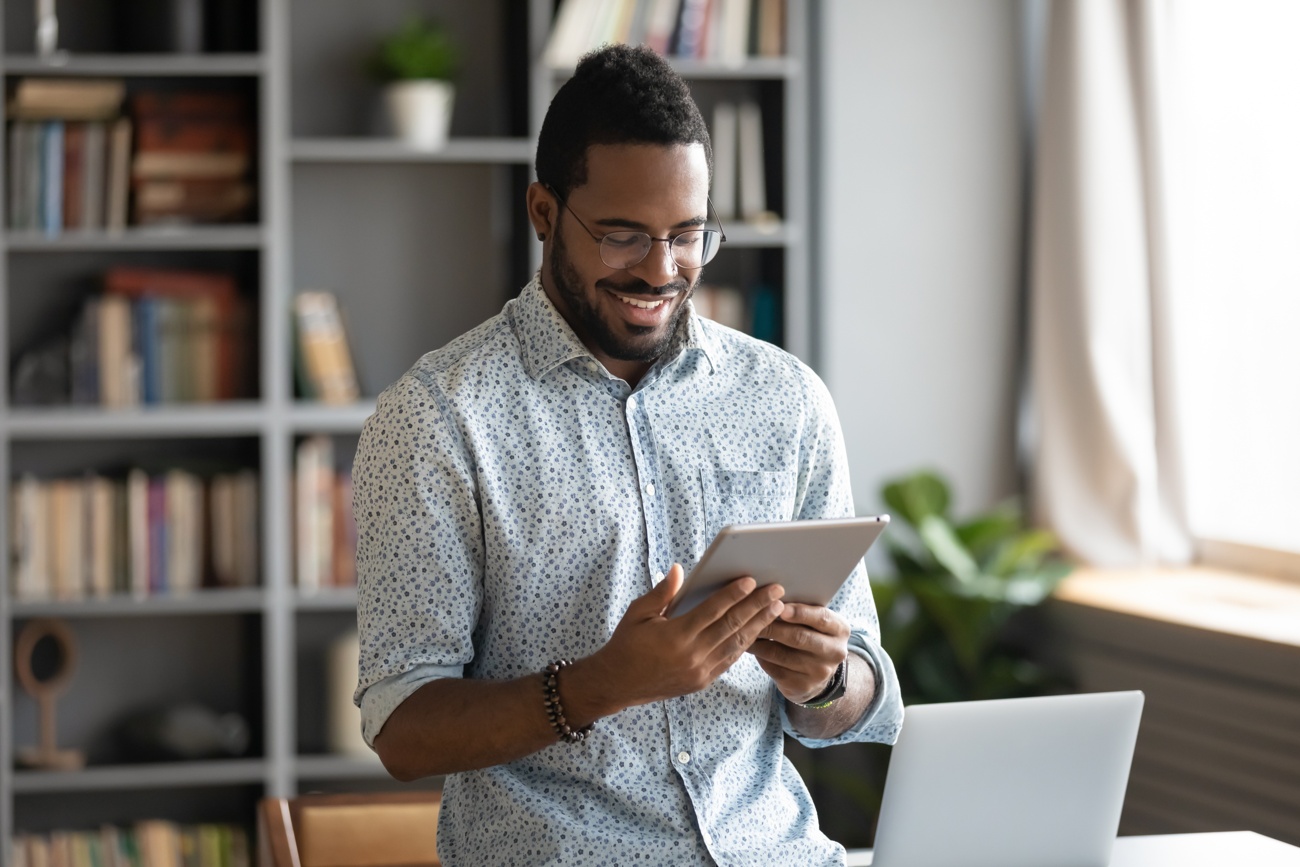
[[619, 94]]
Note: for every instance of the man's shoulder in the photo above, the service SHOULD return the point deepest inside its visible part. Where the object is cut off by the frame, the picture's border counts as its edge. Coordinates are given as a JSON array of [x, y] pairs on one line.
[[491, 344], [744, 355]]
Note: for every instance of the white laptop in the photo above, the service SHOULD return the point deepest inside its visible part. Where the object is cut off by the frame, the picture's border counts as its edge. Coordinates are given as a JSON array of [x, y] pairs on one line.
[[1027, 782]]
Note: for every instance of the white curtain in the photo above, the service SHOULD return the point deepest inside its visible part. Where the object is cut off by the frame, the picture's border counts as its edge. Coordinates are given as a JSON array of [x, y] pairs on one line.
[[1107, 473]]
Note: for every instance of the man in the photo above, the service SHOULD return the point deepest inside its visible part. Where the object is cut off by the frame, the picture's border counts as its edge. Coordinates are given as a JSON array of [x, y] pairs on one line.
[[525, 494]]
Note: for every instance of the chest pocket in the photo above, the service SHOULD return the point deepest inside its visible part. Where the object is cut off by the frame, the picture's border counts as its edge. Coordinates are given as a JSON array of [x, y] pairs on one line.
[[746, 497]]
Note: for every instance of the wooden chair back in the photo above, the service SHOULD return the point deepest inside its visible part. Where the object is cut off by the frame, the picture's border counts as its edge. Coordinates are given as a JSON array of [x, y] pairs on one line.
[[375, 829]]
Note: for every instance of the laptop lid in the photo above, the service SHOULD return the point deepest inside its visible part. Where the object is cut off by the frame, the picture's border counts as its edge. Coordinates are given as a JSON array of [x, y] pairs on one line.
[[1026, 782]]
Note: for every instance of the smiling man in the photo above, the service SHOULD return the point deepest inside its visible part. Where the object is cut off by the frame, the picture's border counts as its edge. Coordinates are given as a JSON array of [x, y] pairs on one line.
[[526, 497]]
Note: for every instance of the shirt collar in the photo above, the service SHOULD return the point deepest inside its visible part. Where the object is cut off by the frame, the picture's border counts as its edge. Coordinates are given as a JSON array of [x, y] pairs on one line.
[[547, 341]]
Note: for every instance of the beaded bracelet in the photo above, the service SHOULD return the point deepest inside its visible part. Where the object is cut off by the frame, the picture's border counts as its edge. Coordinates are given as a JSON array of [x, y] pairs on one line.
[[554, 712]]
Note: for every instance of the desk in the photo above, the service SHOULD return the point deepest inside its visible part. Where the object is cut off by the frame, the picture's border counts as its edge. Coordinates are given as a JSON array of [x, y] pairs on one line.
[[1228, 849]]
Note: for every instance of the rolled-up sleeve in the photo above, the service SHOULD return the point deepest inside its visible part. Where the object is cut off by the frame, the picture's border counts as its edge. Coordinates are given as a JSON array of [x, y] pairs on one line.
[[419, 549]]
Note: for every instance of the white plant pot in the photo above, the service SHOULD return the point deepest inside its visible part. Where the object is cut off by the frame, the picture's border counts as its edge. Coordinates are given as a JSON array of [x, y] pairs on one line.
[[420, 111]]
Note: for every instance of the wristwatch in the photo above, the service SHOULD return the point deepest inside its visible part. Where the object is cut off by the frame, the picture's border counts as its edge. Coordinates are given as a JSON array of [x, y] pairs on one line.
[[834, 690]]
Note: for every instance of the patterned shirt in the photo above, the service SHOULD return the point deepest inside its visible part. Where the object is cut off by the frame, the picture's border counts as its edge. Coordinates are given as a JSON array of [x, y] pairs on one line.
[[513, 498]]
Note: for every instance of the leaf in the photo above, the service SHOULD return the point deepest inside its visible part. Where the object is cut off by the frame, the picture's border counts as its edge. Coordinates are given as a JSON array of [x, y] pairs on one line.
[[916, 496], [943, 544], [981, 534], [1022, 552]]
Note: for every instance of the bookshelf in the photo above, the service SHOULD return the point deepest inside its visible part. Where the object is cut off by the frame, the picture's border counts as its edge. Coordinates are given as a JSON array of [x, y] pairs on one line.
[[418, 247]]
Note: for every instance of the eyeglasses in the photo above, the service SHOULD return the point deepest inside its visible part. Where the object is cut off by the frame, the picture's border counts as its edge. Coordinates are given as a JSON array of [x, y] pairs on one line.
[[693, 248]]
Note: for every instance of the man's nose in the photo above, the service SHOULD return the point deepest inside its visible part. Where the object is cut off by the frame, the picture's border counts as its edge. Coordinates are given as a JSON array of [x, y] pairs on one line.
[[658, 268]]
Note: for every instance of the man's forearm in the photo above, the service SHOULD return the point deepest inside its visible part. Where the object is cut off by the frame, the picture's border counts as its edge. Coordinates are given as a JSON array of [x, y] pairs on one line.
[[453, 724], [840, 716]]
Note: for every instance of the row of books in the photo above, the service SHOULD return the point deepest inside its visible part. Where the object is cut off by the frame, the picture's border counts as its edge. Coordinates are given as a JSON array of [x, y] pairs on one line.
[[721, 31], [150, 843], [154, 336], [325, 534], [142, 534], [68, 175], [76, 163], [755, 312]]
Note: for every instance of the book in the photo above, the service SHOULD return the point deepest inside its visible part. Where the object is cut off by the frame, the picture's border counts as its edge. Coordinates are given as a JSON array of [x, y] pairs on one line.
[[52, 177], [661, 21], [94, 176], [326, 361], [117, 363], [724, 137], [118, 185], [74, 154], [314, 512], [66, 98], [28, 541], [752, 198]]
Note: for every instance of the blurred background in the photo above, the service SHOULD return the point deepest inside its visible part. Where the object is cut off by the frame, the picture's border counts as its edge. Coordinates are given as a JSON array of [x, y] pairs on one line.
[[1041, 251]]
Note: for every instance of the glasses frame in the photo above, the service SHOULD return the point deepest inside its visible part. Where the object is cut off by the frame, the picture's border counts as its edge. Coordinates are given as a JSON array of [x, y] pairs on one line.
[[600, 239]]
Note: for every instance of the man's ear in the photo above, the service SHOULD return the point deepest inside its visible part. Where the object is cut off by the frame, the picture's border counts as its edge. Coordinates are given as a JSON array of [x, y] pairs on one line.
[[542, 210]]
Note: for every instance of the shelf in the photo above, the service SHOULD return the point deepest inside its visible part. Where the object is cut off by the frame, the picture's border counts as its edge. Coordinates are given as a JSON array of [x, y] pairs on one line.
[[506, 151], [174, 420], [327, 599], [232, 601], [172, 775], [141, 238], [65, 63], [330, 767], [755, 235], [307, 417], [752, 69]]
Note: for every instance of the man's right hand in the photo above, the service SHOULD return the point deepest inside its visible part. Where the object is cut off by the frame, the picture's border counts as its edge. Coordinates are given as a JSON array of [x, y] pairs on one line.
[[651, 657]]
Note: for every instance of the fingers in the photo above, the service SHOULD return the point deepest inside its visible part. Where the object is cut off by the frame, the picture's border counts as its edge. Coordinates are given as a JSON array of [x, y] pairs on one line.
[[653, 603], [816, 617], [742, 620]]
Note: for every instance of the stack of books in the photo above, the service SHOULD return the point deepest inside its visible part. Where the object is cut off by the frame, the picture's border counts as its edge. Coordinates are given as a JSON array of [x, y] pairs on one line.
[[69, 155], [193, 157], [141, 534]]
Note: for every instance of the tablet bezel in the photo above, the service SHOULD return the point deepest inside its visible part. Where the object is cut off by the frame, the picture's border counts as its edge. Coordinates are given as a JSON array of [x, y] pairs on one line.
[[810, 559]]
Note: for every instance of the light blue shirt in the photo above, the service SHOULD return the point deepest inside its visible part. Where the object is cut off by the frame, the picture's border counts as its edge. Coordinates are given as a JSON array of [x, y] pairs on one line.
[[513, 498]]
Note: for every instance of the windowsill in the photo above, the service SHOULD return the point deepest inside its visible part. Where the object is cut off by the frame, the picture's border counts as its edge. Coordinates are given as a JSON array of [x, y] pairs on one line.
[[1218, 600]]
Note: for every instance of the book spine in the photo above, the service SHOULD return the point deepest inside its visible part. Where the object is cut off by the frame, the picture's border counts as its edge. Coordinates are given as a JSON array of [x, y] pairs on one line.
[[52, 178]]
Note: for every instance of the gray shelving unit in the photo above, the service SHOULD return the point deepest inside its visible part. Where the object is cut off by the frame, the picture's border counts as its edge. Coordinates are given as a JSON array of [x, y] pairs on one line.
[[418, 247]]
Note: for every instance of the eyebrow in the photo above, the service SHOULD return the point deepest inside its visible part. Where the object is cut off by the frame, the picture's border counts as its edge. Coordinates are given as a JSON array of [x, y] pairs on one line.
[[620, 223]]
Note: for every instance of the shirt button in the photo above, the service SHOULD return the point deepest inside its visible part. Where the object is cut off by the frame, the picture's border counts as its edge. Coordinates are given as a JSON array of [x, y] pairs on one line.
[[650, 489], [659, 576], [684, 757], [631, 404]]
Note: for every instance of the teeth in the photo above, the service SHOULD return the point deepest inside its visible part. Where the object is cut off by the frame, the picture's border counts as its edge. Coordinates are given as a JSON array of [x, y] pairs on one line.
[[636, 302]]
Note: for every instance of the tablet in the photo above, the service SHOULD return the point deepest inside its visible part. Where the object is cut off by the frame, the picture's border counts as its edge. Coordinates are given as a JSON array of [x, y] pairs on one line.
[[810, 559]]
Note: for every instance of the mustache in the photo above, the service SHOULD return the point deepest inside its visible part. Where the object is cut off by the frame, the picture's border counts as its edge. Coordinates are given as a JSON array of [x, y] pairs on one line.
[[641, 287]]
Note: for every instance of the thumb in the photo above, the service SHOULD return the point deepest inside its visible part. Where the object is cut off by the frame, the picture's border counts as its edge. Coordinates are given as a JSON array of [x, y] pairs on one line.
[[662, 593]]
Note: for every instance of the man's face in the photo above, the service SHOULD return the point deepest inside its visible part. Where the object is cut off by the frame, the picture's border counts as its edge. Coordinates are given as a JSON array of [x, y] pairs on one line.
[[627, 317]]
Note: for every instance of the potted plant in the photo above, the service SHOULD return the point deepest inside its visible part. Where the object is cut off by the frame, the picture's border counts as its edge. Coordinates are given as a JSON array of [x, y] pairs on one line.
[[953, 617], [417, 63]]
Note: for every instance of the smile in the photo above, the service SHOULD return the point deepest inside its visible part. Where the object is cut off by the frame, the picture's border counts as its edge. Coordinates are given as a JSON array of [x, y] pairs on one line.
[[637, 302]]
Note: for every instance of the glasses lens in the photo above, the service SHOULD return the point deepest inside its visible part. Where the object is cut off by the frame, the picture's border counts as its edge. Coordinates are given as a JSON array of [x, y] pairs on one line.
[[694, 249], [624, 249]]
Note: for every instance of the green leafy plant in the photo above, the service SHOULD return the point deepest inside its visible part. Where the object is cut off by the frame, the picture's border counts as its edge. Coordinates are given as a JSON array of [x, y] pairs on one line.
[[421, 49], [948, 612]]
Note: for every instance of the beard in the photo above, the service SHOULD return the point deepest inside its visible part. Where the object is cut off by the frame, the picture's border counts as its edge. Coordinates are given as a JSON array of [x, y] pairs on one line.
[[640, 343]]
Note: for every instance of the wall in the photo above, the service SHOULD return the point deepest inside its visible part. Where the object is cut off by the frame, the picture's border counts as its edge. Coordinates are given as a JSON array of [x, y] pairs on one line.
[[920, 238]]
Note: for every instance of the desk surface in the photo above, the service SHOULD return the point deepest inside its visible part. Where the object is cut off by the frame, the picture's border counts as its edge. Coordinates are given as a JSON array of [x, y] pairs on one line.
[[1227, 849]]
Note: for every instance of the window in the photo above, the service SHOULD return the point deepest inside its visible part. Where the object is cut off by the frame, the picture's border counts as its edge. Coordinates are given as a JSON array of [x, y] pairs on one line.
[[1235, 144]]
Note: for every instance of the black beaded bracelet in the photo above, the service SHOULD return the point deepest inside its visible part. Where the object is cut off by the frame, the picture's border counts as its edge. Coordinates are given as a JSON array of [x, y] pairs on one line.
[[554, 712]]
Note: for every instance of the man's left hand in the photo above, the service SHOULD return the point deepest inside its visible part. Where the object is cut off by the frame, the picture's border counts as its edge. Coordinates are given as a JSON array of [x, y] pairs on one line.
[[802, 648]]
